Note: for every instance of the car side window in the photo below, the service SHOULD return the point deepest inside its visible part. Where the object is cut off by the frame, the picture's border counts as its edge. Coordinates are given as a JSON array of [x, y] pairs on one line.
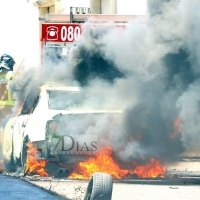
[[30, 101], [35, 104]]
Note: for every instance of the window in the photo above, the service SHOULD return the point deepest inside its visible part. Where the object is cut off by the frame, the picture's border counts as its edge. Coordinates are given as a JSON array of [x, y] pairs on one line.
[[29, 102], [82, 100], [65, 100]]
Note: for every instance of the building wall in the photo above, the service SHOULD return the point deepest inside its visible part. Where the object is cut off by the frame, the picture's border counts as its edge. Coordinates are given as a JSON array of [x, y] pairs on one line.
[[105, 6], [95, 6], [51, 9]]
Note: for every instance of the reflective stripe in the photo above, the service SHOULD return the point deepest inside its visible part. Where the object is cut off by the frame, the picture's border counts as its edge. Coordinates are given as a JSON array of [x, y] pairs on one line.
[[9, 95], [2, 75], [6, 103]]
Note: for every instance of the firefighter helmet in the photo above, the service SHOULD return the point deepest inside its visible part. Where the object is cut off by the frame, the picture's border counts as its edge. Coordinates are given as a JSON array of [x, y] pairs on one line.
[[6, 62]]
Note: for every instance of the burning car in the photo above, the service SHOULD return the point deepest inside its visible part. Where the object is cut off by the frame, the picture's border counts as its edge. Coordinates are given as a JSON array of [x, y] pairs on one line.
[[58, 122]]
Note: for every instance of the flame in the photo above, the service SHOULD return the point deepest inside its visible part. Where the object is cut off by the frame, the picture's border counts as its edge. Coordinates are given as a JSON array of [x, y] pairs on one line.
[[103, 162], [19, 108], [33, 165], [177, 128], [153, 169]]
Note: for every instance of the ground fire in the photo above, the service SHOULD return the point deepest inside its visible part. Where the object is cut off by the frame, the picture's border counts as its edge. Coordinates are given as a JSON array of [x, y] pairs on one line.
[[154, 169], [103, 162]]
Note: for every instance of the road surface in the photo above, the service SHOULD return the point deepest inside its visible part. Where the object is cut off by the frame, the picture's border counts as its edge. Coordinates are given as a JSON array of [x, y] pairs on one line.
[[183, 183], [12, 188]]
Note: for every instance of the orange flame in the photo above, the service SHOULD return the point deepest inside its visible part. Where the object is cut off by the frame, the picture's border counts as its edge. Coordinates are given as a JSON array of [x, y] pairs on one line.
[[33, 165], [177, 128], [103, 162], [19, 108], [153, 169]]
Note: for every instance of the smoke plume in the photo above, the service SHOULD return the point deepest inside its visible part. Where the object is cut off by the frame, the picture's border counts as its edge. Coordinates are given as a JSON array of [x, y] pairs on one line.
[[150, 71], [153, 72]]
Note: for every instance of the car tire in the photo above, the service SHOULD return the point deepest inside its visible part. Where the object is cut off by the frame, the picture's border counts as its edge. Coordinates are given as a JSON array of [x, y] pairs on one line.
[[99, 187], [9, 164], [23, 155]]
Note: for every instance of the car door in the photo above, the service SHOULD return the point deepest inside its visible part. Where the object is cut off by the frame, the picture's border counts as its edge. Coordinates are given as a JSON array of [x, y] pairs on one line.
[[21, 122], [18, 135], [7, 146]]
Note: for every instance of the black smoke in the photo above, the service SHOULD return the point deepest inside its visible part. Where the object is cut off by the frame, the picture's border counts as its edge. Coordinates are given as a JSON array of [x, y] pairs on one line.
[[149, 71], [89, 60], [153, 68]]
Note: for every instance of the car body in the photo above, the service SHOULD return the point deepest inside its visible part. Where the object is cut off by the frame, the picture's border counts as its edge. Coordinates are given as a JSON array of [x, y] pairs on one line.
[[48, 114]]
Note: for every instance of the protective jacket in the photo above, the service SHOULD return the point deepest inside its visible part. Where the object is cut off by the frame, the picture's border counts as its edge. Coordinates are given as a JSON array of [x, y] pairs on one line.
[[6, 100]]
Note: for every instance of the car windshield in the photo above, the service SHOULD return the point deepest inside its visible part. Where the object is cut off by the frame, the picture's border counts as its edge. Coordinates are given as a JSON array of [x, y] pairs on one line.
[[68, 100]]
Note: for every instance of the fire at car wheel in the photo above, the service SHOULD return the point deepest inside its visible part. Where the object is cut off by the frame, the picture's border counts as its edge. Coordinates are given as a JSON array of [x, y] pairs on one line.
[[99, 187]]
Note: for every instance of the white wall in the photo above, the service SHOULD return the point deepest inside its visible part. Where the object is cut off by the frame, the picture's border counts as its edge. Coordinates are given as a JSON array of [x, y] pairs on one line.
[[105, 6], [132, 7]]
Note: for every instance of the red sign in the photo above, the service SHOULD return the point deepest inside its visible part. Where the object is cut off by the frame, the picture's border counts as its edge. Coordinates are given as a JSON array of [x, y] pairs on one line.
[[61, 32]]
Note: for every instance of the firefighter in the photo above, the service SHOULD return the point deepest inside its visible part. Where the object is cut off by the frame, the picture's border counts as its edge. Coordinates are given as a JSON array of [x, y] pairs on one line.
[[6, 74], [6, 101]]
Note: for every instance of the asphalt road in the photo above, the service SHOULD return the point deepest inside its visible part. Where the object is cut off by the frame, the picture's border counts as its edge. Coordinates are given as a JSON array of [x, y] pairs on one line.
[[12, 188]]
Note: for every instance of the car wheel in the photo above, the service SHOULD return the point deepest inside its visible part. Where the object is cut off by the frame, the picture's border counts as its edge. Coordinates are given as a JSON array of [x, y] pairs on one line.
[[23, 156], [99, 187], [9, 164]]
